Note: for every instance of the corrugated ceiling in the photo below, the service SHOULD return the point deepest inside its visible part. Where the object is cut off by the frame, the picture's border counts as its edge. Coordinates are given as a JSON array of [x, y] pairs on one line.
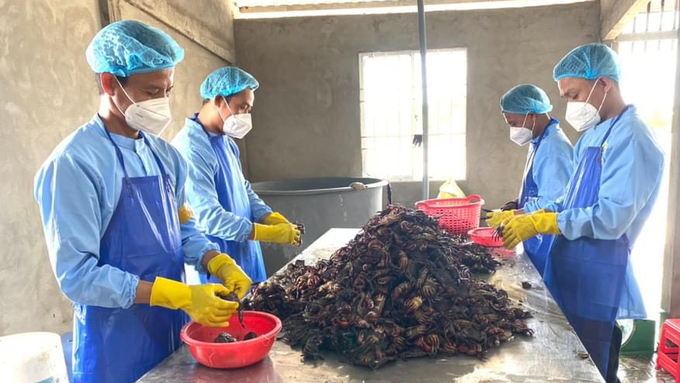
[[282, 8]]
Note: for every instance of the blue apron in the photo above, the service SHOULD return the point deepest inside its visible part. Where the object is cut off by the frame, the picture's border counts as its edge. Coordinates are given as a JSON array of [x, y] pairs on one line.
[[116, 345], [587, 276], [233, 196], [537, 247]]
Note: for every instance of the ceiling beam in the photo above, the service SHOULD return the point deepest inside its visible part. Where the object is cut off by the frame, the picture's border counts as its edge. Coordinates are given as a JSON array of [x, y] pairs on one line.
[[647, 36], [616, 14], [375, 4]]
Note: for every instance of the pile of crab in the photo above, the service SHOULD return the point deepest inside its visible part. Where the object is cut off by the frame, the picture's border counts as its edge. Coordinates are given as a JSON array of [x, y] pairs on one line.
[[401, 289]]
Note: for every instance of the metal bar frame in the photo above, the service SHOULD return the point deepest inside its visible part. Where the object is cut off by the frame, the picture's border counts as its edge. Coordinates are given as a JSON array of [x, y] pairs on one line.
[[422, 40]]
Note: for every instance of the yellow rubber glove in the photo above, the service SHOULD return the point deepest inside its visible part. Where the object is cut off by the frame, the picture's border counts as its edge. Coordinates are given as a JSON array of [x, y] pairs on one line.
[[233, 277], [496, 217], [200, 302], [274, 219], [527, 226], [185, 213], [284, 233]]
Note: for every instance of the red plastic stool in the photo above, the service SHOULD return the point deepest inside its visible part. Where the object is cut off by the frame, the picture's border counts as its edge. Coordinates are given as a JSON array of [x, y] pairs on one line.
[[667, 356]]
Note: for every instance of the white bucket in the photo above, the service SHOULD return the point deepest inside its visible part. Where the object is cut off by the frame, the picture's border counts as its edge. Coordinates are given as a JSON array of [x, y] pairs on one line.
[[34, 357]]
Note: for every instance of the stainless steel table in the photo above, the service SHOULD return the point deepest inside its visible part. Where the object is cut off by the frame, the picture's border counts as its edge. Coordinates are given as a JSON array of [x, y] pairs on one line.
[[552, 355]]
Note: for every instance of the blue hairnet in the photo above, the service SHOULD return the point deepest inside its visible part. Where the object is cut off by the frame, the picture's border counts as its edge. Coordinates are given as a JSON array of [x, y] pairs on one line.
[[589, 61], [524, 99], [227, 81], [129, 47]]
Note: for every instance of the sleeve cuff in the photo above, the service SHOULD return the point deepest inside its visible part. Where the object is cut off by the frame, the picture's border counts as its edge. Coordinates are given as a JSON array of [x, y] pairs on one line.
[[210, 246], [262, 212], [562, 224], [552, 207], [529, 207], [247, 228], [131, 293]]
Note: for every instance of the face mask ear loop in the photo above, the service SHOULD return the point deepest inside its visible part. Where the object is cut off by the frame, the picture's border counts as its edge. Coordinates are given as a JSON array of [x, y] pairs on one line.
[[602, 104], [228, 108], [220, 113], [124, 92], [603, 98], [591, 91]]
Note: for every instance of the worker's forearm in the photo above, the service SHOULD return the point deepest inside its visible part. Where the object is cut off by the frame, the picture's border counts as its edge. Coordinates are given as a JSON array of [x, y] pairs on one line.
[[225, 224], [208, 257], [261, 220], [143, 295]]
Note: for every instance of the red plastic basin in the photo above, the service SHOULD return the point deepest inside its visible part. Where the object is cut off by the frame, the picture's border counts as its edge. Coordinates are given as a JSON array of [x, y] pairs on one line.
[[485, 236], [237, 354]]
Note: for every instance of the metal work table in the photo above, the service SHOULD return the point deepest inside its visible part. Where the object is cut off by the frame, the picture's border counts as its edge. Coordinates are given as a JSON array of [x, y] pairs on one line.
[[552, 355]]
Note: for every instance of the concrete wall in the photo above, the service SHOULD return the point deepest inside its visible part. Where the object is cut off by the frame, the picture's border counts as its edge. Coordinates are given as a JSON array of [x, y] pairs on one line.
[[178, 21], [189, 74], [47, 90], [307, 117], [207, 23]]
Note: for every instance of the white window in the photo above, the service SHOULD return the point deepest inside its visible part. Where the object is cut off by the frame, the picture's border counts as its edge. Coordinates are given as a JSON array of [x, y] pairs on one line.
[[647, 49], [391, 111]]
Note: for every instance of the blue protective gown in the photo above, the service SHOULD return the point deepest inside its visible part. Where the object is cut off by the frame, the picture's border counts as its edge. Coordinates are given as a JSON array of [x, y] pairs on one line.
[[547, 173], [78, 189], [632, 168], [591, 278], [220, 196], [142, 239], [551, 167]]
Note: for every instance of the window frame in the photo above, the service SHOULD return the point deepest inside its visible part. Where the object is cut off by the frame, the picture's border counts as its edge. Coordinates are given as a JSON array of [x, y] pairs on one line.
[[416, 113]]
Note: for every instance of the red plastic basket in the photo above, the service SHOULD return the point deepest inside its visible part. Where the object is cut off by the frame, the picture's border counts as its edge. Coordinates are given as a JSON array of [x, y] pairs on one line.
[[485, 236], [456, 215]]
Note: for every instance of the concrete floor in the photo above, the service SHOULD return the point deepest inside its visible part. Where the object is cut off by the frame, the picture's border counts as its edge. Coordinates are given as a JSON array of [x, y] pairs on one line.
[[641, 370]]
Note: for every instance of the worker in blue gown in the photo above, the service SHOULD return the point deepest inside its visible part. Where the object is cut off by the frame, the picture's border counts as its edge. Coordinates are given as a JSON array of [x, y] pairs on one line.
[[548, 165], [227, 209], [610, 196], [110, 197]]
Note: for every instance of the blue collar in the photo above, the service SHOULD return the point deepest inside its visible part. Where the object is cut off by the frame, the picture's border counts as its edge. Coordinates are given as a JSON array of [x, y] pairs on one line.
[[614, 121], [206, 131], [134, 144], [546, 132]]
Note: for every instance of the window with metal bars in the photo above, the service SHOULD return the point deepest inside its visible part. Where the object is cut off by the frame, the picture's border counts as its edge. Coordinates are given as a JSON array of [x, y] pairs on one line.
[[647, 49], [390, 99], [655, 27]]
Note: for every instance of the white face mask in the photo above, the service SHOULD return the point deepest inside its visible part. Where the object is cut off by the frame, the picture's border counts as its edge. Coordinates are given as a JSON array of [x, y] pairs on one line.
[[236, 125], [521, 135], [151, 116], [583, 115]]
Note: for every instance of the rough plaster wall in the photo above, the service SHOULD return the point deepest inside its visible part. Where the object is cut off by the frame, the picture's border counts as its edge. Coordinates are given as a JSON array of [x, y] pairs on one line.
[[189, 74], [207, 22], [308, 104], [46, 91], [212, 16], [198, 63]]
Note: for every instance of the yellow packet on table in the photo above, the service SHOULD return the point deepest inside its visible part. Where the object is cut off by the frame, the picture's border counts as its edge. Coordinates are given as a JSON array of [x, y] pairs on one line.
[[450, 189]]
